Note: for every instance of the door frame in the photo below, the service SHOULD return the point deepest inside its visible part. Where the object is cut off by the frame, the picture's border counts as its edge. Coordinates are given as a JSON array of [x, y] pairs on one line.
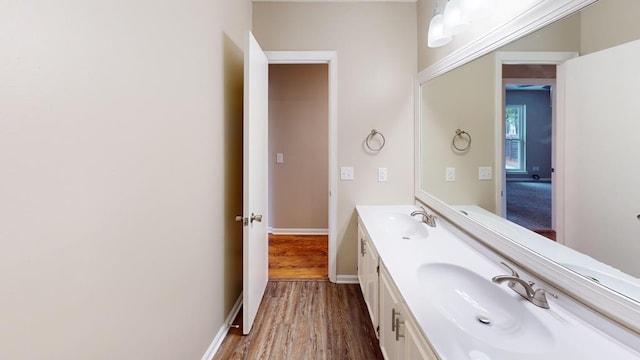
[[331, 59], [557, 153]]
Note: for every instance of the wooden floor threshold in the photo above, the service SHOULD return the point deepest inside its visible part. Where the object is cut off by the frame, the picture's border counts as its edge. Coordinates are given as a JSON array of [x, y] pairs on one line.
[[298, 257]]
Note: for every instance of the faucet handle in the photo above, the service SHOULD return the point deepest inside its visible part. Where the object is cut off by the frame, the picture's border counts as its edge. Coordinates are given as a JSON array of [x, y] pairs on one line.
[[540, 298], [513, 272]]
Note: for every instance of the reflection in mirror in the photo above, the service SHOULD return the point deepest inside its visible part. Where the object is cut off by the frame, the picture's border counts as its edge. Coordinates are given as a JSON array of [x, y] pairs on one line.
[[596, 213]]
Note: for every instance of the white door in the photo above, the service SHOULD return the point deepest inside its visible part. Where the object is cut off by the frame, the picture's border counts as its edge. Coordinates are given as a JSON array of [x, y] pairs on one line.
[[601, 173], [255, 249]]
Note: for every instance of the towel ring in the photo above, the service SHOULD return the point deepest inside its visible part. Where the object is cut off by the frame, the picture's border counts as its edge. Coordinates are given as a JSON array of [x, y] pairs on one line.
[[463, 135], [371, 136]]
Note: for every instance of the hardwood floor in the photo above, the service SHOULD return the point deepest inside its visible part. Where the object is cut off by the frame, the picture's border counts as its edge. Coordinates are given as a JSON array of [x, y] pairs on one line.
[[298, 257], [306, 320]]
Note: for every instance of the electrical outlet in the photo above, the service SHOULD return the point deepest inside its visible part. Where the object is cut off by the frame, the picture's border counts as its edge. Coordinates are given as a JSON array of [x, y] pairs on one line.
[[484, 173], [382, 174], [346, 173], [450, 174]]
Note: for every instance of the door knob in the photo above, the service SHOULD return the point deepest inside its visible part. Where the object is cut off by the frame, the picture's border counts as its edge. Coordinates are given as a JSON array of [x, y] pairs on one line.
[[257, 218], [242, 220]]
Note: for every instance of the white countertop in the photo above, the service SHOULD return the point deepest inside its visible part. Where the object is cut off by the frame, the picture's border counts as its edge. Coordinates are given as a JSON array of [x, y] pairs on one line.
[[572, 337]]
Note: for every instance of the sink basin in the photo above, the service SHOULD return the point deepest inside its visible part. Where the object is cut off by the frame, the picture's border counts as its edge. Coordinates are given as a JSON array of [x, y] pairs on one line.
[[403, 226], [475, 315]]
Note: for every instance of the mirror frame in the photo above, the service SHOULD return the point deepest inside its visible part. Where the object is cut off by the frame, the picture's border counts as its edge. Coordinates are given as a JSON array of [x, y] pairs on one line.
[[609, 303]]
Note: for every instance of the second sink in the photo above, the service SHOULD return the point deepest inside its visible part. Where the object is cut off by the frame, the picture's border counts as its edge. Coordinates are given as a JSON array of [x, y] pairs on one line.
[[463, 301]]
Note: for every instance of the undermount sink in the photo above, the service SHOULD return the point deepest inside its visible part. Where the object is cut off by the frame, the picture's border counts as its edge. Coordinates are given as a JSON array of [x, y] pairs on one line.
[[489, 317], [403, 225]]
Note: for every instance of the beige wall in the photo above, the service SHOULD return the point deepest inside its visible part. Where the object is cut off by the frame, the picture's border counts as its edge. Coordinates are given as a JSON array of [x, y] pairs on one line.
[[120, 159], [460, 99], [299, 129], [376, 46], [563, 35], [608, 23]]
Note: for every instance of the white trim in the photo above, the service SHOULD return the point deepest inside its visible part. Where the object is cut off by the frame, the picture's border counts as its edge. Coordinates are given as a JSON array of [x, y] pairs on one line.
[[330, 58], [290, 231], [347, 279], [224, 330]]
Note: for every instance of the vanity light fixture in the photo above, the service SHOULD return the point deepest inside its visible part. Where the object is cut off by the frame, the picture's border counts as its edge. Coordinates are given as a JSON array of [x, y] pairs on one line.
[[473, 10], [436, 36], [454, 21], [454, 18]]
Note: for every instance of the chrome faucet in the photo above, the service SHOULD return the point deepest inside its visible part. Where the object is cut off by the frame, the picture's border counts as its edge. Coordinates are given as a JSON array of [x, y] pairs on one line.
[[537, 297], [426, 217]]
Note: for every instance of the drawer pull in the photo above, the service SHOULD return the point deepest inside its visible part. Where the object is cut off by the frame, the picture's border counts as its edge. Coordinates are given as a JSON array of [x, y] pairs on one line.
[[394, 315], [398, 323]]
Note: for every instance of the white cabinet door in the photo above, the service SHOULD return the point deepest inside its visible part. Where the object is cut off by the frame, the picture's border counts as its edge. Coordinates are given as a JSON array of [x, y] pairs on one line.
[[400, 337], [391, 341], [368, 274], [362, 265], [416, 346]]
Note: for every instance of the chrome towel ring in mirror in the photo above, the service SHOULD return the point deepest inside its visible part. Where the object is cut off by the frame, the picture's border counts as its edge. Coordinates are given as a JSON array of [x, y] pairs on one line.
[[372, 135], [464, 137]]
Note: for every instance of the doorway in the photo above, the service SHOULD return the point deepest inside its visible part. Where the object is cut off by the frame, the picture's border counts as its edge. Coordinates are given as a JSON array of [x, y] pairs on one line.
[[328, 60], [528, 135], [531, 69], [298, 171]]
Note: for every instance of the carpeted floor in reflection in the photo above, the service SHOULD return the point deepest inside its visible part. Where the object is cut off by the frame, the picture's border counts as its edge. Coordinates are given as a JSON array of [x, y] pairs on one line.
[[529, 204]]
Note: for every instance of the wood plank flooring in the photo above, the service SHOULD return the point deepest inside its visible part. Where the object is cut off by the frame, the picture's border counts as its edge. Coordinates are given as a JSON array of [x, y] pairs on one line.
[[298, 257], [306, 320]]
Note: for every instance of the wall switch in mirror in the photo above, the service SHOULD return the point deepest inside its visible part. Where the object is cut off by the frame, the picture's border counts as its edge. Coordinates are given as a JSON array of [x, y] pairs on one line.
[[346, 173], [382, 174], [450, 174], [484, 173]]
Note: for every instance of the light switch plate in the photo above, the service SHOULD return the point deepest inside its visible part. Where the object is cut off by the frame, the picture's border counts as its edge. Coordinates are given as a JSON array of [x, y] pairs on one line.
[[346, 173], [279, 158], [450, 174], [382, 174], [484, 173]]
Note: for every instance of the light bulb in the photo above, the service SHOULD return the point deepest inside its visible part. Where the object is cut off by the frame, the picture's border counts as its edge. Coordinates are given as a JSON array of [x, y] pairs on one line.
[[473, 10], [437, 36], [454, 23]]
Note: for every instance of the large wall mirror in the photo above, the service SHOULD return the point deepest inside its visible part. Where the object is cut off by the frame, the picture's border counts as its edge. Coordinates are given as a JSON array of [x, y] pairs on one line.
[[553, 115]]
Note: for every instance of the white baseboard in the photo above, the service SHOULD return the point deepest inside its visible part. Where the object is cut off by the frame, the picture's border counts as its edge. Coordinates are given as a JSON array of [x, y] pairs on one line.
[[347, 279], [286, 231], [217, 341]]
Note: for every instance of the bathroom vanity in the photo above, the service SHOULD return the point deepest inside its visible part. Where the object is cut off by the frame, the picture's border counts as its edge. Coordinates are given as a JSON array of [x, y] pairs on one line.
[[430, 295]]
